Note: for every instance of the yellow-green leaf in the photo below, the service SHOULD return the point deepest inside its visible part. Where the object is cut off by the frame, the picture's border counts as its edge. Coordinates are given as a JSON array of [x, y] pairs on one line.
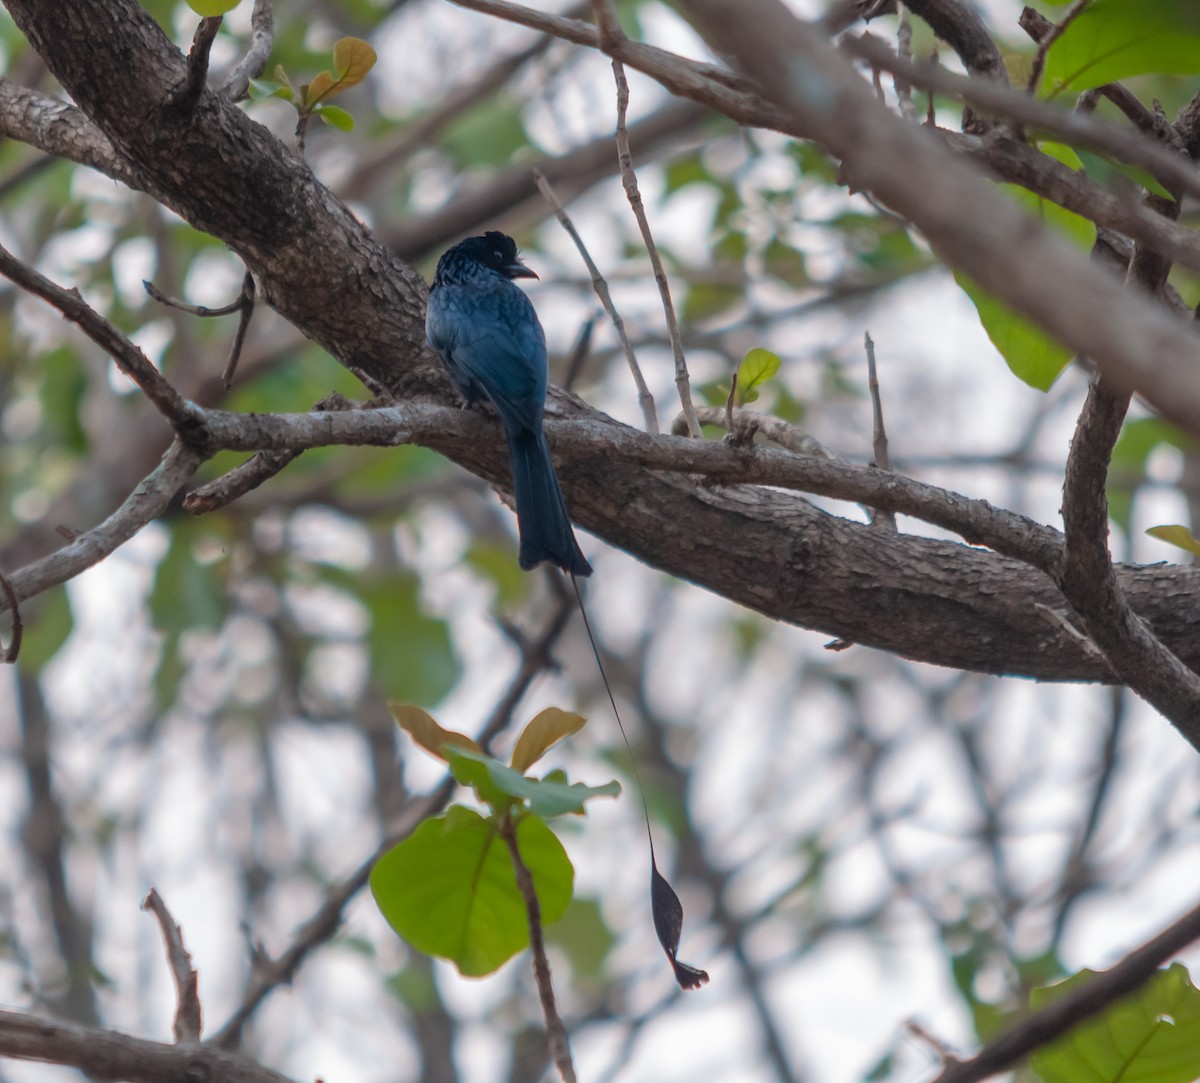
[[422, 728], [757, 367], [543, 731], [322, 86], [210, 8], [352, 59], [1178, 536], [339, 118]]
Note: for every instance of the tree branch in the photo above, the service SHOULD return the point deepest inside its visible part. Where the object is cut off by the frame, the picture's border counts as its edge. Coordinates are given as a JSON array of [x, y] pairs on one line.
[[109, 1055]]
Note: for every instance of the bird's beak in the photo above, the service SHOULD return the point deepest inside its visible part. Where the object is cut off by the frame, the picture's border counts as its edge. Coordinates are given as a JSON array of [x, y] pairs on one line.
[[517, 269]]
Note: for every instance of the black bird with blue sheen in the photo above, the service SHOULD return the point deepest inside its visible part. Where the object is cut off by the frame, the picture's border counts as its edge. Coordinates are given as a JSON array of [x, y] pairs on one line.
[[494, 349]]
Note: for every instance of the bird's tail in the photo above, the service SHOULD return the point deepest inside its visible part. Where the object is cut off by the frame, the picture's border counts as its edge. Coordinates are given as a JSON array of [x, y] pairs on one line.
[[545, 527]]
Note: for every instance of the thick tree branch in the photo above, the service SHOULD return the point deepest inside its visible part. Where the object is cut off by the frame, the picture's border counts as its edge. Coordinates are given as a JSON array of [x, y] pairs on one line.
[[60, 130], [109, 1055], [146, 503], [936, 601]]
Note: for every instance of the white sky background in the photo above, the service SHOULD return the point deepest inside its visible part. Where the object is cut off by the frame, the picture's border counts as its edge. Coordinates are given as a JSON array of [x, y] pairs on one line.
[[841, 1006]]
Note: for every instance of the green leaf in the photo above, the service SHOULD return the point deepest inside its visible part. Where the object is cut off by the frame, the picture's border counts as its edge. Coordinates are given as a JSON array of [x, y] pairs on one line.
[[450, 890], [757, 367], [1116, 39], [209, 8], [1108, 171], [1030, 353], [547, 797], [47, 624], [1139, 439], [545, 729], [335, 116], [1179, 536], [1150, 1036]]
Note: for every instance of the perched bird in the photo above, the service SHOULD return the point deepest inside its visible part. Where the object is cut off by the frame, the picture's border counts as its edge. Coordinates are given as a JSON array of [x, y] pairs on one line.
[[494, 349]]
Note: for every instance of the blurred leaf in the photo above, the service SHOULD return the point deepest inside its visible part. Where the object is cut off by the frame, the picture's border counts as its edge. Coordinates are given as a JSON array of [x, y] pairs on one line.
[[1150, 1036], [585, 937], [487, 135], [450, 890], [412, 654], [188, 594], [1116, 39], [1179, 536], [1139, 439], [706, 299], [47, 623], [546, 797], [680, 172], [496, 564], [786, 263], [422, 728], [414, 987], [1107, 171], [1030, 353], [544, 730]]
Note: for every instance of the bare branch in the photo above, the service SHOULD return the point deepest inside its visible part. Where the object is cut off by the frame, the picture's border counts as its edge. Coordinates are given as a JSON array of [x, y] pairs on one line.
[[187, 1010], [146, 503], [129, 359], [629, 182], [1052, 35], [254, 63], [182, 101], [107, 1054], [556, 1032], [881, 459], [645, 399]]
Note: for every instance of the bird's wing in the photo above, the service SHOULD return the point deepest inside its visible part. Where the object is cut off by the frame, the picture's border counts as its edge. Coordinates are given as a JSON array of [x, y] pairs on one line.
[[494, 339]]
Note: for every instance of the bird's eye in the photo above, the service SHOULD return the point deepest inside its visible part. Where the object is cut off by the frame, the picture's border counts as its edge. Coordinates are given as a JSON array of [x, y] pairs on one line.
[[499, 256]]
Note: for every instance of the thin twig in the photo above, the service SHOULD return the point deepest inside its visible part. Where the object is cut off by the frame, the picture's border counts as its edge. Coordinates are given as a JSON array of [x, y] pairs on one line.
[[556, 1031], [884, 520], [246, 310], [10, 595], [148, 501], [187, 1011], [645, 399], [254, 63], [629, 182], [129, 359], [1058, 1017], [192, 310], [904, 98], [774, 429], [183, 99], [580, 351], [1049, 38]]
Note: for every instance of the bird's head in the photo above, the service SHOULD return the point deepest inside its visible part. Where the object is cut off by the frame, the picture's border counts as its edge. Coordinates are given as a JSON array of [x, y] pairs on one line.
[[494, 251]]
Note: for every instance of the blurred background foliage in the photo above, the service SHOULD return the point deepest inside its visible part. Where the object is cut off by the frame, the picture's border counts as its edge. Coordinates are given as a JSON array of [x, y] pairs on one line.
[[859, 841]]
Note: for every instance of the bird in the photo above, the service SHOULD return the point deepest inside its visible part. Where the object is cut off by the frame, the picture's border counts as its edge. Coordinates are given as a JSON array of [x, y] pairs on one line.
[[492, 344]]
